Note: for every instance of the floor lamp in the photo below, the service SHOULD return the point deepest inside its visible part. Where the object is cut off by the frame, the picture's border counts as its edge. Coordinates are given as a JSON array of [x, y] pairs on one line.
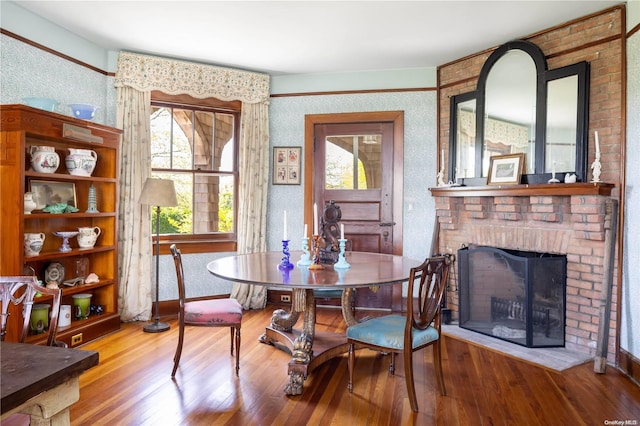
[[159, 193]]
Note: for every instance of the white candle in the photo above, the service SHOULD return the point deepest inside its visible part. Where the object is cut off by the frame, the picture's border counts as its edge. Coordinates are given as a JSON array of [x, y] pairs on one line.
[[342, 231], [553, 169], [284, 235], [315, 219], [305, 231], [442, 159], [597, 144]]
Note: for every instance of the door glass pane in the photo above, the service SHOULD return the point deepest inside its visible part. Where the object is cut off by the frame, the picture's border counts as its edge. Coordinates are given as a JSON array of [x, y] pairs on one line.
[[353, 162]]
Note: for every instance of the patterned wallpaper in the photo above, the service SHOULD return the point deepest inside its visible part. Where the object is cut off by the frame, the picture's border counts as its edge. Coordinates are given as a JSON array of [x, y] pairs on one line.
[[286, 117], [31, 72]]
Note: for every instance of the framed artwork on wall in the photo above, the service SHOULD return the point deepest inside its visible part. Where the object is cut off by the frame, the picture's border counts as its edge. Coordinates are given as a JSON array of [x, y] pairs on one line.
[[286, 165]]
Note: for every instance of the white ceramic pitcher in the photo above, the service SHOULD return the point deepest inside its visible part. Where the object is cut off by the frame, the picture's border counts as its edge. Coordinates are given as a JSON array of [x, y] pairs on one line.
[[33, 242], [87, 236], [81, 162]]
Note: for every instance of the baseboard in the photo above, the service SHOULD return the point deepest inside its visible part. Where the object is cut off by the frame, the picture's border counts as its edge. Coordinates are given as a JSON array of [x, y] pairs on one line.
[[630, 365]]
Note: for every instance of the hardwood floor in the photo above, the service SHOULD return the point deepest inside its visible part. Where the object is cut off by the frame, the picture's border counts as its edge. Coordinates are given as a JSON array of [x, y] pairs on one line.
[[132, 385]]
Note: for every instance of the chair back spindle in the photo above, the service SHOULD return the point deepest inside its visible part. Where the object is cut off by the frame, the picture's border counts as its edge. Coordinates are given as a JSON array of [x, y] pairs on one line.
[[22, 290]]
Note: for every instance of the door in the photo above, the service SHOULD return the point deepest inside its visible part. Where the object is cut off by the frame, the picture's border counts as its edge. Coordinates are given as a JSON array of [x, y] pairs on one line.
[[358, 165]]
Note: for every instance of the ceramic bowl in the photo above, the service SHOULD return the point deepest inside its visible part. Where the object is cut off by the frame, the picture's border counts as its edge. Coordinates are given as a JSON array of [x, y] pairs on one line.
[[41, 103], [84, 111]]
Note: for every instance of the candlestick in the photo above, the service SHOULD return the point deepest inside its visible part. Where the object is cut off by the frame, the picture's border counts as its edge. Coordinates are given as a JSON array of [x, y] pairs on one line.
[[553, 174], [284, 234], [284, 263], [597, 144], [342, 231], [315, 219], [305, 259], [316, 265], [342, 261]]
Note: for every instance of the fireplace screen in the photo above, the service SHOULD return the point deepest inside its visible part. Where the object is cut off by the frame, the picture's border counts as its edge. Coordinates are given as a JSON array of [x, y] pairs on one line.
[[515, 296]]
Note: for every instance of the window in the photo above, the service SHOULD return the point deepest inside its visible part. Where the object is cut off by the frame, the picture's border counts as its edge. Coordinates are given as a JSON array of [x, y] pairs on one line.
[[196, 147]]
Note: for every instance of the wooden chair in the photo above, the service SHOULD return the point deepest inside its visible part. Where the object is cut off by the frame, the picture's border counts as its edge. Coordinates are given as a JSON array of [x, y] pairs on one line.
[[21, 290], [408, 334], [209, 313]]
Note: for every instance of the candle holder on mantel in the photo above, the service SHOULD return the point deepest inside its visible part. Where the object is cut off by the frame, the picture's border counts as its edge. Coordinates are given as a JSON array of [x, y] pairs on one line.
[[597, 168], [305, 258], [284, 263], [342, 261], [316, 265]]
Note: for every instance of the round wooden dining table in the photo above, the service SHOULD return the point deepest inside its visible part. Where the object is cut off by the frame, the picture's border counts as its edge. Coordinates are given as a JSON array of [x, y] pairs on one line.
[[309, 348]]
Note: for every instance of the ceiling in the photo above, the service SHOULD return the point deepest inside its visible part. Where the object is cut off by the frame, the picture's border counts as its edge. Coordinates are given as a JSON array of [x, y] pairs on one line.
[[308, 37]]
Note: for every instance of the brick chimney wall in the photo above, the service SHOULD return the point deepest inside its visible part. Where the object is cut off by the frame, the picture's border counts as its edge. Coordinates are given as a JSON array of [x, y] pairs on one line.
[[564, 224]]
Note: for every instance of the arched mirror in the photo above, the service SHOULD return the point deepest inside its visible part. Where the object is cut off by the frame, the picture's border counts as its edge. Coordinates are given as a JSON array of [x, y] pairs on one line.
[[521, 107]]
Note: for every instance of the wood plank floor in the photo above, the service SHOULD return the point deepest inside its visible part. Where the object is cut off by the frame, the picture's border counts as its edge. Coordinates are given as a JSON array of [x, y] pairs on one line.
[[132, 385]]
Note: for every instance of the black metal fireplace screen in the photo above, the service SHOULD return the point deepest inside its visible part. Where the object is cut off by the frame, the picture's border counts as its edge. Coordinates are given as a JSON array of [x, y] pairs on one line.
[[517, 296]]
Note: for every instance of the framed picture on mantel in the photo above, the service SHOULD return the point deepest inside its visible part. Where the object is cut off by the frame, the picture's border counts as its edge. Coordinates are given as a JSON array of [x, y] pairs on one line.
[[286, 165], [505, 169]]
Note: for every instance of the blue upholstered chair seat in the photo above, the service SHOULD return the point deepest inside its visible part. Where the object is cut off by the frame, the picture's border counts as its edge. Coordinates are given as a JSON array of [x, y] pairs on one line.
[[328, 294], [388, 331]]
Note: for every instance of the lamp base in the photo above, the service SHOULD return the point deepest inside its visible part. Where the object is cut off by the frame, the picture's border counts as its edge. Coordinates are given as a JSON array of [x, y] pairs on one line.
[[156, 327]]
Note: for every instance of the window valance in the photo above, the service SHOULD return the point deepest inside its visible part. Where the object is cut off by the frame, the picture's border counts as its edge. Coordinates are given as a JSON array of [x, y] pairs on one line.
[[147, 73]]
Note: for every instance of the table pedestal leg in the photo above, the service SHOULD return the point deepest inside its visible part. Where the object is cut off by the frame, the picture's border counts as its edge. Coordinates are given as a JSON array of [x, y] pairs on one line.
[[308, 349]]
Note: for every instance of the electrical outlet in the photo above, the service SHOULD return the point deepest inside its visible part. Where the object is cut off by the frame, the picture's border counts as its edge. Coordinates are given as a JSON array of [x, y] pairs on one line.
[[76, 340], [285, 298]]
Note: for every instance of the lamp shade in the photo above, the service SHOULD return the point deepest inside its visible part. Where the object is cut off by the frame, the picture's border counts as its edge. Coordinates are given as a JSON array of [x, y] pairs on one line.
[[158, 192]]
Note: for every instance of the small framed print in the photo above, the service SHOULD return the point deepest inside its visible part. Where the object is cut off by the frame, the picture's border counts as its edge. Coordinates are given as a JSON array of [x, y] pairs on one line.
[[286, 165], [505, 169], [48, 192]]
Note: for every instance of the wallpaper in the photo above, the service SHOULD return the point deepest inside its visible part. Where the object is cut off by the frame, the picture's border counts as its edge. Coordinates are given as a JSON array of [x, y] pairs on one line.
[[31, 72]]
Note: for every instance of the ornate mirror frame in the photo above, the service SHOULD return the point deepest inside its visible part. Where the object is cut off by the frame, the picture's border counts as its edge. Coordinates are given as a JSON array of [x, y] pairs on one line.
[[575, 77]]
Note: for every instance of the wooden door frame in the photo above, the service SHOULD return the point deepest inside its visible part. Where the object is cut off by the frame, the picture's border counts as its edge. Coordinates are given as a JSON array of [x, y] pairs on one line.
[[397, 118]]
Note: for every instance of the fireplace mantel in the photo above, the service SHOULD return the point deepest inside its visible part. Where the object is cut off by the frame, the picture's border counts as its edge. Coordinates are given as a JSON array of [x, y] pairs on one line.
[[581, 188]]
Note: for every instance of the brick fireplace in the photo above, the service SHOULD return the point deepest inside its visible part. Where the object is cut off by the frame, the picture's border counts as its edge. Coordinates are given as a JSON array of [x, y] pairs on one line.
[[564, 219]]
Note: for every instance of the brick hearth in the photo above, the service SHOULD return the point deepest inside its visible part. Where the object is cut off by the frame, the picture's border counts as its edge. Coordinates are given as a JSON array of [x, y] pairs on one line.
[[568, 219]]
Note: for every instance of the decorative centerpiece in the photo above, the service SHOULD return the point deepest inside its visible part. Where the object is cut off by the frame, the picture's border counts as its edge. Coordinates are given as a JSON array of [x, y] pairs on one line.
[[65, 235], [59, 208]]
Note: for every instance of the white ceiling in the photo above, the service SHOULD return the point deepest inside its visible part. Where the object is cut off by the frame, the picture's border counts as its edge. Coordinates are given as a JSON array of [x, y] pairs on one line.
[[301, 37]]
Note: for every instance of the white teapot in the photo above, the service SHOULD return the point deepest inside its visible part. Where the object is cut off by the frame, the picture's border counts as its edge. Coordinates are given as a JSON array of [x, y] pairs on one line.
[[87, 236]]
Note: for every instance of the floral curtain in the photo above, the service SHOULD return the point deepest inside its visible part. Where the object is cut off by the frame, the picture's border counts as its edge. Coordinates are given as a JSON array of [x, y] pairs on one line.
[[143, 73], [134, 241]]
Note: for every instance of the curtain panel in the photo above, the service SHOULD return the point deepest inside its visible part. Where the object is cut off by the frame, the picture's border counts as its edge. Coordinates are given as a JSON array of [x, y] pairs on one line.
[[143, 74]]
